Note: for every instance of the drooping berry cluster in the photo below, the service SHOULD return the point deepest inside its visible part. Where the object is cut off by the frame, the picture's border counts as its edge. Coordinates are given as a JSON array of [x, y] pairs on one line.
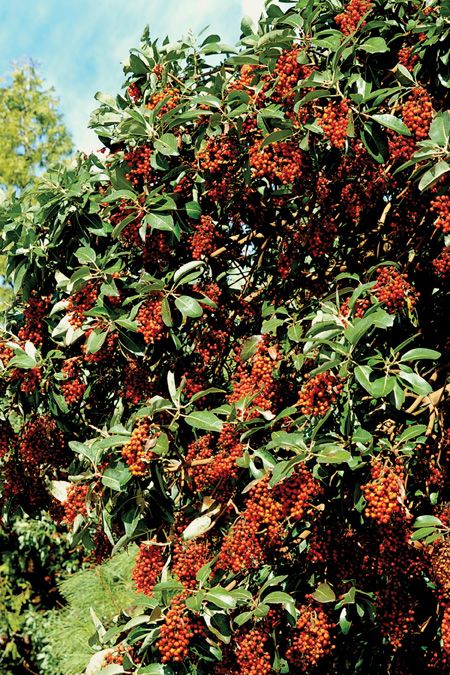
[[279, 162], [251, 656], [406, 57], [148, 567], [29, 380], [34, 314], [203, 240], [42, 442], [139, 161], [319, 393], [417, 113], [297, 492], [137, 383], [311, 639], [75, 503], [137, 452], [384, 492], [254, 378], [349, 20], [334, 122], [441, 264], [149, 320], [209, 466], [81, 302], [441, 207], [394, 290], [134, 93], [176, 632], [188, 557], [73, 388], [168, 99]]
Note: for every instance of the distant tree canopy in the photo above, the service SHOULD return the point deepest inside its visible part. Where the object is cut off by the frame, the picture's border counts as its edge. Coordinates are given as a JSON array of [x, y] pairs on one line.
[[32, 133]]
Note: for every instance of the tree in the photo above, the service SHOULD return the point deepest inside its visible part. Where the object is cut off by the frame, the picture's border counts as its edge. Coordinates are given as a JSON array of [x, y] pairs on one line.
[[233, 344], [32, 135]]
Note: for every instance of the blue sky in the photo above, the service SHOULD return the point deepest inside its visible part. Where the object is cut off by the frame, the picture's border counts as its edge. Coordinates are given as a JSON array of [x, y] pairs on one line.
[[80, 44]]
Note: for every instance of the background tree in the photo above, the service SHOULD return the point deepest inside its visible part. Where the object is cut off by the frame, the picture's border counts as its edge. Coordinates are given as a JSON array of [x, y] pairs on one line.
[[32, 137], [231, 347]]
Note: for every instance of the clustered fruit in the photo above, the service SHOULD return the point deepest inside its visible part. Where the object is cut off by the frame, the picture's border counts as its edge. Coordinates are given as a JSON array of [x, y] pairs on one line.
[[349, 20], [384, 492], [393, 289], [148, 567], [138, 451], [75, 503], [334, 122], [311, 639], [441, 207], [319, 393], [150, 321]]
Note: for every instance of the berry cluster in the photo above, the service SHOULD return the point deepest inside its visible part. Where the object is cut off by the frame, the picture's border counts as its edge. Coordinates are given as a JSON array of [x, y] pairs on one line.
[[334, 122], [148, 567], [349, 20], [208, 468], [319, 393], [42, 442], [188, 558], [417, 113], [141, 172], [441, 207], [395, 613], [137, 452], [203, 240], [176, 632], [241, 549], [72, 388], [406, 57], [311, 639], [251, 656], [75, 503], [137, 383], [81, 302], [394, 290], [254, 378], [167, 99], [297, 492], [384, 492], [441, 264], [149, 320], [445, 628], [34, 314], [134, 93], [289, 72], [29, 379], [282, 161]]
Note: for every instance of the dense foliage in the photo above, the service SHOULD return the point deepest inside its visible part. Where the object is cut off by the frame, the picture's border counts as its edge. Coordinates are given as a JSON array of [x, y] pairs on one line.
[[230, 346]]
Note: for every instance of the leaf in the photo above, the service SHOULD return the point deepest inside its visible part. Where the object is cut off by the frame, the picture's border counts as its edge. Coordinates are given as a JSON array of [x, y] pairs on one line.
[[416, 383], [166, 314], [188, 306], [330, 453], [220, 597], [374, 45], [197, 527], [276, 137], [412, 432], [392, 122], [419, 353], [161, 221], [204, 419], [167, 145], [95, 341], [324, 593], [431, 176], [184, 270], [427, 521], [362, 374], [193, 210], [278, 597], [85, 255]]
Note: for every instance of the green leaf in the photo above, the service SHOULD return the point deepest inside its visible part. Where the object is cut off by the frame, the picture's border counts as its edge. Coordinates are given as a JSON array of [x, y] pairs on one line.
[[185, 269], [277, 597], [193, 210], [392, 122], [276, 137], [167, 144], [427, 521], [85, 255], [362, 374], [189, 306], [419, 353], [416, 383], [324, 593], [412, 432], [374, 45], [161, 221], [116, 477], [166, 314], [220, 597], [197, 527], [431, 176], [330, 453], [204, 419], [95, 341]]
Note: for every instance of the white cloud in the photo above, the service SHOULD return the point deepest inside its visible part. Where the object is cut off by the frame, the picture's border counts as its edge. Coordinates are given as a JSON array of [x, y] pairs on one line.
[[253, 8]]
